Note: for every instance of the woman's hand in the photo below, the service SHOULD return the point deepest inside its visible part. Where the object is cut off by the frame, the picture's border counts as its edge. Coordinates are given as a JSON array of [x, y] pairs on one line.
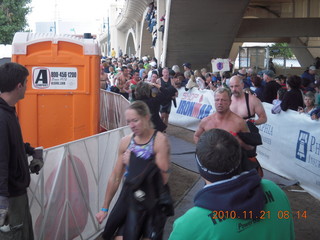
[[100, 216]]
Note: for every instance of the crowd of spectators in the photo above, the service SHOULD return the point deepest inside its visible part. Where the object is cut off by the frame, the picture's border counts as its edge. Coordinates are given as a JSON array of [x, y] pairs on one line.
[[299, 93], [151, 19], [143, 79]]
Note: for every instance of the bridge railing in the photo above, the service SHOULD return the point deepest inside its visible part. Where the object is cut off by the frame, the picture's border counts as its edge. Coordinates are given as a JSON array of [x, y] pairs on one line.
[[70, 188], [112, 107]]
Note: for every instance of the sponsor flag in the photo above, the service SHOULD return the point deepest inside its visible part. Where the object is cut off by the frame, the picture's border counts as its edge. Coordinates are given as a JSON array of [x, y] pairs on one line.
[[220, 65]]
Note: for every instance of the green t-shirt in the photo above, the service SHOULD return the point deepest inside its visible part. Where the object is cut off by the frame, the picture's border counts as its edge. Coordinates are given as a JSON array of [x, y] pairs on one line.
[[274, 223]]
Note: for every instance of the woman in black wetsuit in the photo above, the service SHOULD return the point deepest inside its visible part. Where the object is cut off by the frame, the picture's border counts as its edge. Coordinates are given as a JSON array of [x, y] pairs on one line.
[[143, 158], [144, 91]]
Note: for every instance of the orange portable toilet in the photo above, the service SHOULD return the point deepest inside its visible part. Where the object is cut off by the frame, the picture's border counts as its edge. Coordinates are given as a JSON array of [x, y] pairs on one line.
[[61, 103]]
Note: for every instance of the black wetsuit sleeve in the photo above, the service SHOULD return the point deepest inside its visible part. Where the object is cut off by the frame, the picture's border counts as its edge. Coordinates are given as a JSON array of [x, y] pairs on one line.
[[165, 94]]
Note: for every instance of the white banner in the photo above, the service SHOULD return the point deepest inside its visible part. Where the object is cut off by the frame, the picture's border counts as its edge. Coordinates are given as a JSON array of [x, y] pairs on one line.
[[192, 106], [220, 65], [291, 141], [70, 188], [291, 148]]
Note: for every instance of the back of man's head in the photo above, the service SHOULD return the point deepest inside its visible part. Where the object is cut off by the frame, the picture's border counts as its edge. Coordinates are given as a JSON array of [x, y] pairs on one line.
[[142, 90], [11, 74], [218, 155]]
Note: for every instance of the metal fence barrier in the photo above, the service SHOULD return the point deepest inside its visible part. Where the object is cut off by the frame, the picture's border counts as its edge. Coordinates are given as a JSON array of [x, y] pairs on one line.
[[70, 188], [112, 107], [258, 58]]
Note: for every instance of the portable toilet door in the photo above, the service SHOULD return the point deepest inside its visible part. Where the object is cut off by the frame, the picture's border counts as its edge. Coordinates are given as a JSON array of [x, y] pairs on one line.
[[61, 103]]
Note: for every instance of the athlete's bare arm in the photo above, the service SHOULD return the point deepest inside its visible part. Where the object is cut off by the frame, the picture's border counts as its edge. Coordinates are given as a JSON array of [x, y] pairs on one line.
[[259, 110], [114, 179], [162, 155], [200, 130]]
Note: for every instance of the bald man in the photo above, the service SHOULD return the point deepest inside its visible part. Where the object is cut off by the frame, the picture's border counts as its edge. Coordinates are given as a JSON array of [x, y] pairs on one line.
[[245, 105]]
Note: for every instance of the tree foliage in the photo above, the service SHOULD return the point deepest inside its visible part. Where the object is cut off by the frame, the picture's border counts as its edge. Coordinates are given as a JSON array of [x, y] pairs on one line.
[[281, 50], [12, 18]]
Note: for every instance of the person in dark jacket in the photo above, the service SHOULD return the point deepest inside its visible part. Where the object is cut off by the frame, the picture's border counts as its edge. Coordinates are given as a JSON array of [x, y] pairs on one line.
[[15, 217], [257, 83], [271, 88], [145, 92], [293, 98], [310, 74]]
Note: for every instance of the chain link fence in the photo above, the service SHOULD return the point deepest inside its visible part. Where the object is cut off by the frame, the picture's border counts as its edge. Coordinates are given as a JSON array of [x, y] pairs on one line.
[[261, 58]]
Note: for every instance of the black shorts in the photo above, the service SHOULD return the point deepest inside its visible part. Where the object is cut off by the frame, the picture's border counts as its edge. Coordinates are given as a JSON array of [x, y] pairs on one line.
[[166, 108]]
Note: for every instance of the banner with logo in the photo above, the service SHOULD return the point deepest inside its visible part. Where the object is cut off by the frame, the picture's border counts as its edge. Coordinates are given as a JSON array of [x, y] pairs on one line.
[[291, 141], [291, 148], [220, 65], [192, 106], [55, 78]]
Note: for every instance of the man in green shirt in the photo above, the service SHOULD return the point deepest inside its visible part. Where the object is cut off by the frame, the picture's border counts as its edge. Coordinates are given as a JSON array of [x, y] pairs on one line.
[[233, 204]]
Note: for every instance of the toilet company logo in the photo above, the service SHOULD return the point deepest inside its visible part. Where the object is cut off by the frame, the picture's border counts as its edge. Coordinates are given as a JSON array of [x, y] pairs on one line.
[[302, 145], [54, 78], [41, 78]]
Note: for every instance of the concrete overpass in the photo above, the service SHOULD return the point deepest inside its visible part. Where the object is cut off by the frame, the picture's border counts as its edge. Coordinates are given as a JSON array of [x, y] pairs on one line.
[[197, 31]]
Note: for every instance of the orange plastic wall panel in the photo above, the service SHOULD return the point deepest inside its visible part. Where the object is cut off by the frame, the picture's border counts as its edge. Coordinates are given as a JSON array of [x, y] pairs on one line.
[[52, 114]]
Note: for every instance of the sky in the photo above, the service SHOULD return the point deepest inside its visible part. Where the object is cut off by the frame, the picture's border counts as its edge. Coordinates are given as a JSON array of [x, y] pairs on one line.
[[91, 11]]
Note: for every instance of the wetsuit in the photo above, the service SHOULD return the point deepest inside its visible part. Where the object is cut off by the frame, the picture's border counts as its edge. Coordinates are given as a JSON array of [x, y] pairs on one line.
[[166, 107], [253, 138], [154, 104], [137, 212]]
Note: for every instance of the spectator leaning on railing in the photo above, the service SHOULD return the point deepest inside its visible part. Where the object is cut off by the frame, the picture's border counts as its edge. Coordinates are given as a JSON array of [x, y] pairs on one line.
[[309, 102], [293, 98]]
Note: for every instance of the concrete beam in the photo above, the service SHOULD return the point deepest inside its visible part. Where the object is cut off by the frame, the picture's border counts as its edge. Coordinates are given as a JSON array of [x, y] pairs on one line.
[[133, 11], [200, 32], [279, 28]]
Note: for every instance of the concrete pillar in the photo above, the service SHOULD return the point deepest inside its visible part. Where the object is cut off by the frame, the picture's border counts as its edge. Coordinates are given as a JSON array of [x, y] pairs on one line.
[[119, 42], [200, 31], [234, 50], [161, 11], [137, 31], [303, 55], [145, 41]]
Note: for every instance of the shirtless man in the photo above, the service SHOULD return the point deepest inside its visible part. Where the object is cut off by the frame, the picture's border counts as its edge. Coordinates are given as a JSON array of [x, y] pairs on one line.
[[122, 82], [223, 118], [239, 105]]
